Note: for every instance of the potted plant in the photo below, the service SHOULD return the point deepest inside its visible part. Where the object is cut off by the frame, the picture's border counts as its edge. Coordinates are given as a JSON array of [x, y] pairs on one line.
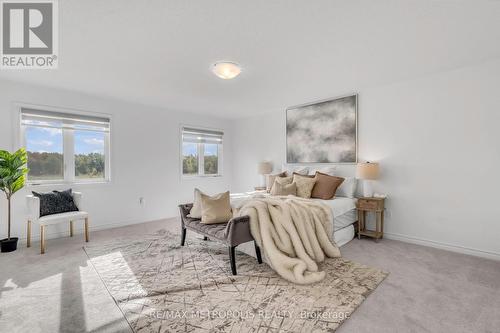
[[13, 172]]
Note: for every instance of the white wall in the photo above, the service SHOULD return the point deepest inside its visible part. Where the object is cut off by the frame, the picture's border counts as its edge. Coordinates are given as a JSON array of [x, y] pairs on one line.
[[438, 141], [144, 159]]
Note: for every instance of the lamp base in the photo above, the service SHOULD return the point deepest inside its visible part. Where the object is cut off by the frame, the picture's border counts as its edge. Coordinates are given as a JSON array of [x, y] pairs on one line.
[[367, 189], [263, 179]]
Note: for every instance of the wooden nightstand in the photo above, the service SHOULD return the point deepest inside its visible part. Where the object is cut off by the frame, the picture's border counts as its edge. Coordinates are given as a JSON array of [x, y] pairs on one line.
[[375, 205]]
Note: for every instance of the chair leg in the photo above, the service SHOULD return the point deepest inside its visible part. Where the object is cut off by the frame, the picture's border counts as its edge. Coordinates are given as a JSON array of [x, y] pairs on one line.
[[42, 239], [86, 229], [257, 252], [232, 258], [28, 234], [70, 228], [183, 236]]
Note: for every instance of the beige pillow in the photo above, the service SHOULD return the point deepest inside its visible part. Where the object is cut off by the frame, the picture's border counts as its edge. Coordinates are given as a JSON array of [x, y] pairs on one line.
[[304, 184], [215, 209], [282, 181], [289, 189], [195, 211], [271, 178]]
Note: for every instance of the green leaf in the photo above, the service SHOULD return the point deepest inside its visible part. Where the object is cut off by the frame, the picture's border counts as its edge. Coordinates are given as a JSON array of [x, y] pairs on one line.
[[13, 170], [18, 184]]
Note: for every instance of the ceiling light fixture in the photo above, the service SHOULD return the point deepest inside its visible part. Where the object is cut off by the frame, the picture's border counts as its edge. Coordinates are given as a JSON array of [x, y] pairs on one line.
[[226, 70]]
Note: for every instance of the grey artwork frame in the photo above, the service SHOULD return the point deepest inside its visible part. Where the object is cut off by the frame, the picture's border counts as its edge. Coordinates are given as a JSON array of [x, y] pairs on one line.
[[336, 113]]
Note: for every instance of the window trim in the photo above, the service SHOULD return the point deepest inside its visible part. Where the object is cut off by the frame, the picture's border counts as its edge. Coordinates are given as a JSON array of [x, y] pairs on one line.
[[69, 177], [201, 170]]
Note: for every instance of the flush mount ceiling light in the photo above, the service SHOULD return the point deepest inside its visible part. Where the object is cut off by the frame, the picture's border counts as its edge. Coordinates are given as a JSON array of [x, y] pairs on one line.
[[226, 70]]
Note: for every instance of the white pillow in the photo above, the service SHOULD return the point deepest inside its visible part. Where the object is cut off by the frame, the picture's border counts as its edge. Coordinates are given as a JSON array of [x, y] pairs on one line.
[[290, 169], [195, 211], [347, 188], [328, 170]]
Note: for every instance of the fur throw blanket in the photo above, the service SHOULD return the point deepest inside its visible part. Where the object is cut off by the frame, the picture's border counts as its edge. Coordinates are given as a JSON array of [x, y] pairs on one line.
[[293, 233]]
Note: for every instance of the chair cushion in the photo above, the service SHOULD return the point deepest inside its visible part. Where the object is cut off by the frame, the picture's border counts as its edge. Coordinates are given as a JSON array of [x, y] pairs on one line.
[[63, 217]]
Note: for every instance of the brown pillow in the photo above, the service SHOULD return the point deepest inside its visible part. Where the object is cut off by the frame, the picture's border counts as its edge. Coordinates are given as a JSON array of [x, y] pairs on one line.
[[215, 209], [304, 184], [271, 178], [289, 189], [325, 186]]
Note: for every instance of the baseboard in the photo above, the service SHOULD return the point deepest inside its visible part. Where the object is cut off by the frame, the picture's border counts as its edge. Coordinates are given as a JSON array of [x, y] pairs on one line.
[[35, 235], [444, 246]]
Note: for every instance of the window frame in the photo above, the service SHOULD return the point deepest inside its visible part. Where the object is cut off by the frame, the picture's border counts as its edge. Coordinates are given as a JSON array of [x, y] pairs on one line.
[[201, 155], [68, 143]]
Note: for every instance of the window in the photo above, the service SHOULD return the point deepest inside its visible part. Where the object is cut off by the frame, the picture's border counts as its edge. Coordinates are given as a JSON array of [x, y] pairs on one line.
[[201, 152], [65, 147]]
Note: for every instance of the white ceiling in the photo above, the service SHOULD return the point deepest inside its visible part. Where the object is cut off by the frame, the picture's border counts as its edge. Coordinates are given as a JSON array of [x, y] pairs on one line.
[[158, 52]]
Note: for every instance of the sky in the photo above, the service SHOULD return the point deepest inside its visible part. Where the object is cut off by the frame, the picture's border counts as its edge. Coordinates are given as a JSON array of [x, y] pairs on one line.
[[41, 139], [190, 149]]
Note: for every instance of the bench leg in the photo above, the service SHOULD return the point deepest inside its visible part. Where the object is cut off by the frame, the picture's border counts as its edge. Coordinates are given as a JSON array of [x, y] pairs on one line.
[[232, 258], [42, 239], [183, 236], [28, 235], [87, 229], [257, 252]]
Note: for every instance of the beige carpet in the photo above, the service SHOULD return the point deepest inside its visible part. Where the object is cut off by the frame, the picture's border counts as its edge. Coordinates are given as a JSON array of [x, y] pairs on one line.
[[163, 287]]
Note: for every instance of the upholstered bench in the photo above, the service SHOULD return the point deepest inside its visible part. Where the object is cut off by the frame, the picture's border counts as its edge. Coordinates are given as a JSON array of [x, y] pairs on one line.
[[233, 233]]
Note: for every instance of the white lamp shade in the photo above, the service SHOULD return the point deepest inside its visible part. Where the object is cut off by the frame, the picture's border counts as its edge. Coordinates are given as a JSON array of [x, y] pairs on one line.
[[368, 171], [264, 168]]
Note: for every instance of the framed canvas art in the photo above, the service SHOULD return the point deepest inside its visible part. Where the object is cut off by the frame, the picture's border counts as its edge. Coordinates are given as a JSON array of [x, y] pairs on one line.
[[323, 132]]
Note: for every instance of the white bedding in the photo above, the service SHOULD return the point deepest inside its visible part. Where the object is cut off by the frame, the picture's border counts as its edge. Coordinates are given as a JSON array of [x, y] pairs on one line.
[[344, 214]]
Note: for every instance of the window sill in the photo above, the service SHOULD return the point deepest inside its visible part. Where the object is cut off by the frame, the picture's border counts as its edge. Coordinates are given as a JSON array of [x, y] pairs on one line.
[[75, 183], [186, 177]]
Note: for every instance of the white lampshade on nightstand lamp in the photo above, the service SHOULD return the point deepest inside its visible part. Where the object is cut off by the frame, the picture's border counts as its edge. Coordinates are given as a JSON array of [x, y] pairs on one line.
[[368, 172], [263, 169]]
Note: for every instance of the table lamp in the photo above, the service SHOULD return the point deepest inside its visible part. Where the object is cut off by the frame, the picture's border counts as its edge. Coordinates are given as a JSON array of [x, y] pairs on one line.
[[263, 169], [368, 172]]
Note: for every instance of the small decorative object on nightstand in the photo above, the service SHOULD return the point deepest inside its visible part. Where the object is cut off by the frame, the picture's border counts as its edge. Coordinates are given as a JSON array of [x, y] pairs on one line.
[[375, 205]]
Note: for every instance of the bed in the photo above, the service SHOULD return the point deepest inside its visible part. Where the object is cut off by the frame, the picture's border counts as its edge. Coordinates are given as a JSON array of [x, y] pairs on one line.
[[344, 216]]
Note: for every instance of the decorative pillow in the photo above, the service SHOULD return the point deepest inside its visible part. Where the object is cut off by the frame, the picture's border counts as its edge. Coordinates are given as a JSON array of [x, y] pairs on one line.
[[271, 178], [325, 186], [347, 188], [195, 211], [304, 184], [56, 202], [299, 174], [303, 170], [289, 189], [215, 209], [282, 181], [328, 170]]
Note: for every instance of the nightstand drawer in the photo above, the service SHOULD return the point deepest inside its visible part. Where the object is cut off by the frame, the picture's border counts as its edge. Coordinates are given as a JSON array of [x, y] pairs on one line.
[[371, 204]]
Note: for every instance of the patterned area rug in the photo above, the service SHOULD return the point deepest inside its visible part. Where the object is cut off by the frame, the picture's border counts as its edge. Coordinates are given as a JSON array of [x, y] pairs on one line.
[[163, 287]]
